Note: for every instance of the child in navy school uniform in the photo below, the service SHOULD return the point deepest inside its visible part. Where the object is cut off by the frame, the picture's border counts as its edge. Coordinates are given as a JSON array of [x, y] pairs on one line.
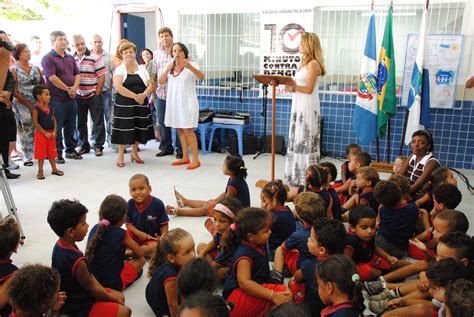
[[370, 260], [309, 206], [45, 131], [362, 190], [174, 250], [273, 198], [234, 167], [34, 291], [106, 247], [85, 295], [397, 219], [9, 241], [326, 239], [247, 284], [339, 287], [316, 181], [146, 217], [196, 276], [351, 151], [455, 298], [357, 161], [224, 214], [440, 176]]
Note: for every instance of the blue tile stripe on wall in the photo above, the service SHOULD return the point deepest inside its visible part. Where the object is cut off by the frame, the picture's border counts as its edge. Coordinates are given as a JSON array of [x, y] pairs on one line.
[[453, 129]]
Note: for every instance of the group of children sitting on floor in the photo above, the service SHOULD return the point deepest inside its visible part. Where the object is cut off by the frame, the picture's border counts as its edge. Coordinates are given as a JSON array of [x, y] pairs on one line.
[[329, 264]]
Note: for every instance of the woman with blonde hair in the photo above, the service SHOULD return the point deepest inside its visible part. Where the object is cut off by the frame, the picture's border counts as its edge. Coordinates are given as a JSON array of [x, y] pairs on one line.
[[132, 116], [304, 136]]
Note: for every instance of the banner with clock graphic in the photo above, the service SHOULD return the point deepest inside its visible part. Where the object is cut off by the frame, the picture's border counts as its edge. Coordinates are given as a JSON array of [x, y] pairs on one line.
[[280, 36]]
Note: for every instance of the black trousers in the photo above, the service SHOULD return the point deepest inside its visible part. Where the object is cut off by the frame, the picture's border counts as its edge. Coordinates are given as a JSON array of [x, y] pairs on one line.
[[7, 131]]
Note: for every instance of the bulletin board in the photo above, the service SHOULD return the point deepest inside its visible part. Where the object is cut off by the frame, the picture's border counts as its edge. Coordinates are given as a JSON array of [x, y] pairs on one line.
[[444, 56]]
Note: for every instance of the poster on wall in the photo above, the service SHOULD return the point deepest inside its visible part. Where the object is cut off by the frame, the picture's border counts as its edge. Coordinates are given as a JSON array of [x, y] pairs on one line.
[[444, 56], [280, 36]]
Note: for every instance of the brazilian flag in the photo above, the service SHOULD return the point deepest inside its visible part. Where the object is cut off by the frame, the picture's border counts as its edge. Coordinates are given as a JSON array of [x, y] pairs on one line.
[[386, 98]]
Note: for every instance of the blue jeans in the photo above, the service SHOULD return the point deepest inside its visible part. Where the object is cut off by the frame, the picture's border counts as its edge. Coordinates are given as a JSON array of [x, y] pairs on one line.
[[65, 121], [165, 132], [94, 105], [107, 102]]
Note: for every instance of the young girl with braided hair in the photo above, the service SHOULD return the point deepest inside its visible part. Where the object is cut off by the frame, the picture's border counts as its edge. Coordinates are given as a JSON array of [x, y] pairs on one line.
[[173, 251], [273, 197], [224, 215], [339, 287], [234, 167], [247, 284], [106, 247]]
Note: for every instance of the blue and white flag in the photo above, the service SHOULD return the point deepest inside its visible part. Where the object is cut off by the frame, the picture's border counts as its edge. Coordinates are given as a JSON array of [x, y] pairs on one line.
[[419, 95], [364, 121]]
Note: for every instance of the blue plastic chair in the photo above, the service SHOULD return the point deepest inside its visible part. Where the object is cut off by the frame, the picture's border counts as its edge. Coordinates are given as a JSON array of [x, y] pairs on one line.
[[239, 129], [202, 127]]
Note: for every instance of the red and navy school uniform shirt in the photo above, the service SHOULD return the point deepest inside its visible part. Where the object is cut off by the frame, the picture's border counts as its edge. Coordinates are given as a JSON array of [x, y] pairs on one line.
[[240, 186], [283, 225], [341, 310], [65, 259], [260, 271], [109, 255], [7, 269], [308, 271], [155, 290], [148, 217], [368, 198], [398, 225], [330, 198], [223, 259], [363, 250], [299, 241]]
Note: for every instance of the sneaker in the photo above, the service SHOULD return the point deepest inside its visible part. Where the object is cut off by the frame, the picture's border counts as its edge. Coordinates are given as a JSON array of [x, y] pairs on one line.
[[385, 294], [60, 160], [98, 152], [276, 277], [84, 151], [379, 306], [12, 165], [374, 287], [74, 155]]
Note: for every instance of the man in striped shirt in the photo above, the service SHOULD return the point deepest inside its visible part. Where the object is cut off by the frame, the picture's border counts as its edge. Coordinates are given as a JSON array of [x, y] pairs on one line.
[[92, 70]]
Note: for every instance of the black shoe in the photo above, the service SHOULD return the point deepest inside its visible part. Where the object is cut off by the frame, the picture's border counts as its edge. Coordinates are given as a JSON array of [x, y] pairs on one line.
[[84, 151], [164, 153], [10, 175], [74, 155], [179, 155], [60, 160], [98, 151]]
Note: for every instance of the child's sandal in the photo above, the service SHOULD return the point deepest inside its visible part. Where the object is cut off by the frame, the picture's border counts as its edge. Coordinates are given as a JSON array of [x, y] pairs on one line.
[[57, 173], [179, 198], [171, 210], [40, 176]]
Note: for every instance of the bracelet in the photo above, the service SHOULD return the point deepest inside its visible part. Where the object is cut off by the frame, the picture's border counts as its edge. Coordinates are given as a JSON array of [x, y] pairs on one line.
[[271, 295]]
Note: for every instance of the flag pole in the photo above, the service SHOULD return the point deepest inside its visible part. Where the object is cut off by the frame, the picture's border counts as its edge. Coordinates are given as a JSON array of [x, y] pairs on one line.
[[377, 140]]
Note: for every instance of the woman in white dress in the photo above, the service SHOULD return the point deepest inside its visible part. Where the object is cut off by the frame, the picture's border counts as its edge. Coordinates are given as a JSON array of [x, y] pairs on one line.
[[304, 136], [182, 106]]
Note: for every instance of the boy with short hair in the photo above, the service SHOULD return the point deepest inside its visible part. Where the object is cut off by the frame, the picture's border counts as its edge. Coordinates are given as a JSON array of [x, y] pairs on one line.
[[85, 295], [327, 238], [147, 219], [455, 298], [357, 161], [309, 206], [45, 134], [362, 190], [397, 219], [351, 151], [370, 260]]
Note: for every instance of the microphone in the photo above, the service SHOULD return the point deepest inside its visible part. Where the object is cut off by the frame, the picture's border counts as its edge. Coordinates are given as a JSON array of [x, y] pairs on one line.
[[174, 64]]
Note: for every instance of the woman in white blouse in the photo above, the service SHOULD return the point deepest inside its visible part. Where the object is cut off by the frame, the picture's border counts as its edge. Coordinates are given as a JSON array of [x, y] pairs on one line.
[[132, 117], [182, 106]]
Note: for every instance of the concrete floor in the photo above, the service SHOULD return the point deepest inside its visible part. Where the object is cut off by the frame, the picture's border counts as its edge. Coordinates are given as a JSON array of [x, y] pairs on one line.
[[92, 178]]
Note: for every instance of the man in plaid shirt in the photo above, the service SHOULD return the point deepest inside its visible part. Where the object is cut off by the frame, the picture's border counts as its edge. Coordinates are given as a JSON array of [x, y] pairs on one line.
[[161, 58]]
